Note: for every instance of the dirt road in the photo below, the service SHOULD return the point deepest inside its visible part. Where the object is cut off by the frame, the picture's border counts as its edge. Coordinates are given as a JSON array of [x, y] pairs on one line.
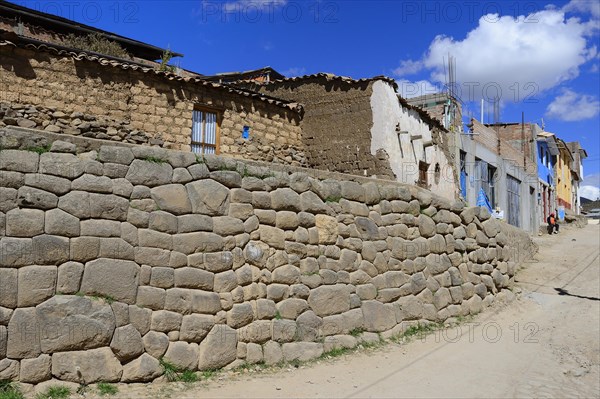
[[544, 344]]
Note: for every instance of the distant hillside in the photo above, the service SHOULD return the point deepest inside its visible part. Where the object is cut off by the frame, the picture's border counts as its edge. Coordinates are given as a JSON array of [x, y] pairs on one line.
[[588, 204]]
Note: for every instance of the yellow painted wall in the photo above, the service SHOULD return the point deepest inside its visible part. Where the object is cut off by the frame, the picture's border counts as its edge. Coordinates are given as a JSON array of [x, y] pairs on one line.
[[563, 179]]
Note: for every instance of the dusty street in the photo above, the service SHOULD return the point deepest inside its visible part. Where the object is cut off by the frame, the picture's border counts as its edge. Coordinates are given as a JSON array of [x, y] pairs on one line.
[[544, 344]]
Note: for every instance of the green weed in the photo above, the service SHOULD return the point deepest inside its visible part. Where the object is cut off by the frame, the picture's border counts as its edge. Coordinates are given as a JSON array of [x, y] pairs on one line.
[[55, 392], [333, 198], [170, 370], [105, 388], [356, 332], [40, 150], [9, 390], [153, 159], [188, 376]]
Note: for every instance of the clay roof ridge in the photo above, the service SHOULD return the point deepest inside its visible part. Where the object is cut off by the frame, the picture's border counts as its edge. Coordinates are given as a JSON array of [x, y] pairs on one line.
[[123, 64]]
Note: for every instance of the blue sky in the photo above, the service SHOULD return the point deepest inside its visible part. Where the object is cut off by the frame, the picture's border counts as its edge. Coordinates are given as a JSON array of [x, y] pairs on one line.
[[540, 58]]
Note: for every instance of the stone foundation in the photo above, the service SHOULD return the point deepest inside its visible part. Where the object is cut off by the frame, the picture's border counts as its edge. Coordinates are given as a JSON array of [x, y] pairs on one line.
[[111, 260]]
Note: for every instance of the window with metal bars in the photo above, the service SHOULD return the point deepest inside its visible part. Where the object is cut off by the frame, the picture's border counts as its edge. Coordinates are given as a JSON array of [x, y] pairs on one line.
[[205, 132]]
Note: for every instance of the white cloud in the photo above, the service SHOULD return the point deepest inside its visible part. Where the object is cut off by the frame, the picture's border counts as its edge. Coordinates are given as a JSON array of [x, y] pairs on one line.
[[589, 192], [571, 106], [515, 57], [584, 6], [592, 180], [409, 89], [408, 67], [294, 71]]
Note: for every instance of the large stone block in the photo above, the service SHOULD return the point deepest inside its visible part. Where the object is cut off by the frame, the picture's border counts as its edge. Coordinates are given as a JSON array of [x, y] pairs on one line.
[[286, 199], [190, 243], [327, 227], [9, 369], [195, 327], [50, 250], [172, 198], [143, 369], [8, 287], [77, 203], [150, 174], [272, 236], [156, 343], [111, 277], [240, 315], [24, 222], [23, 335], [74, 323], [302, 351], [329, 300], [36, 284], [19, 161], [63, 165], [87, 367], [127, 343], [106, 206], [29, 197], [165, 321], [208, 197], [61, 223], [219, 348], [113, 154], [94, 184], [378, 317], [34, 371]]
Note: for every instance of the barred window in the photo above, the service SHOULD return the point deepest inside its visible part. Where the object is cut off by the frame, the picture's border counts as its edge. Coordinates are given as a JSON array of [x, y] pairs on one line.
[[205, 132]]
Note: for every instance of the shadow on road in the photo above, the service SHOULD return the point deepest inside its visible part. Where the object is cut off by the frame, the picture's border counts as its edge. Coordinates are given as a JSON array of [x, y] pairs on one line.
[[562, 291]]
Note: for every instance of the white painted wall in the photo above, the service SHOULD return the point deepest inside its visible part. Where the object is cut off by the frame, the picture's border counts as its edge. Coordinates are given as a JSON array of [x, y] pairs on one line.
[[389, 117]]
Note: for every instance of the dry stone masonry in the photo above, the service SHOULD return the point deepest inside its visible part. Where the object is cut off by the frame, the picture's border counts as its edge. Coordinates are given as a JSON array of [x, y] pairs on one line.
[[111, 260]]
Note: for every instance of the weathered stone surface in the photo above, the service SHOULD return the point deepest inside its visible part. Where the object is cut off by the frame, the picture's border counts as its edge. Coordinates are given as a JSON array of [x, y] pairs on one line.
[[172, 198], [24, 222], [327, 227], [165, 321], [491, 227], [143, 369], [23, 335], [74, 323], [53, 184], [426, 226], [183, 355], [111, 277], [228, 178], [156, 343], [285, 199], [377, 316], [286, 274], [140, 318], [107, 206], [34, 371], [8, 287], [77, 203], [36, 284], [63, 165], [193, 223], [190, 243], [291, 308], [205, 302], [50, 250], [89, 366], [302, 351], [150, 174], [113, 154], [272, 236], [19, 161], [195, 327], [9, 370], [328, 300], [8, 199], [61, 223], [272, 353], [29, 197], [208, 197], [218, 349], [127, 343], [225, 281], [240, 315], [94, 184]]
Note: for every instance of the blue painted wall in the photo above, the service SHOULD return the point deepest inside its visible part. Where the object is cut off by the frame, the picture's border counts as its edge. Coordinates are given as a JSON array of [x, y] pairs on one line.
[[545, 163]]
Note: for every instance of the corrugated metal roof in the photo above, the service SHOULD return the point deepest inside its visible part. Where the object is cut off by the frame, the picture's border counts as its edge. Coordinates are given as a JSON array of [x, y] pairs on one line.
[[125, 65]]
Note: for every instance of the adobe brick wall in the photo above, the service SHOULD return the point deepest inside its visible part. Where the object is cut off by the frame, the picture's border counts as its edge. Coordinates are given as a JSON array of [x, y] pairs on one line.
[[134, 101], [223, 262], [337, 124]]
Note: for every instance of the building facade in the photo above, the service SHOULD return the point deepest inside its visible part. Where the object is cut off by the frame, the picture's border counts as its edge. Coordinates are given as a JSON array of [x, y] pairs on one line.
[[547, 154]]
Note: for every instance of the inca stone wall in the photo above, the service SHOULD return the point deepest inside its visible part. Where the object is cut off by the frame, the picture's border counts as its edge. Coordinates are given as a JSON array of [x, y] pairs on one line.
[[113, 259], [58, 93]]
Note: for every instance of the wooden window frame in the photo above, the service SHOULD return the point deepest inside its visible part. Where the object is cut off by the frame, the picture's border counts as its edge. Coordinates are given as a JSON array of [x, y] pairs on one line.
[[423, 178], [219, 115]]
